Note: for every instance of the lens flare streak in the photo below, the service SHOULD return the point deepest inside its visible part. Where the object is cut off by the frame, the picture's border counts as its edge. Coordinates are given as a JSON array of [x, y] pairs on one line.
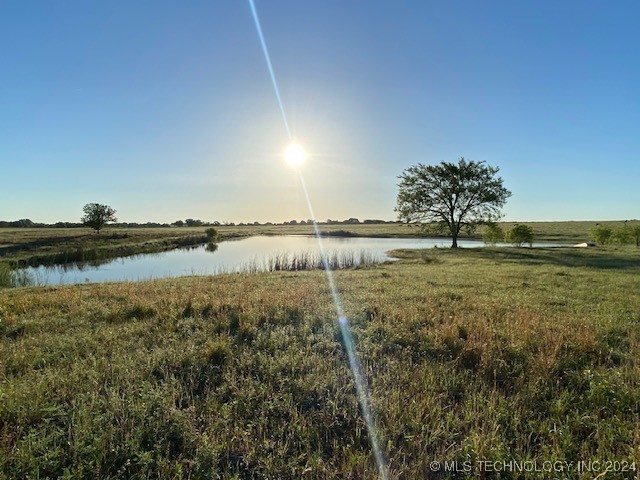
[[268, 59], [362, 388]]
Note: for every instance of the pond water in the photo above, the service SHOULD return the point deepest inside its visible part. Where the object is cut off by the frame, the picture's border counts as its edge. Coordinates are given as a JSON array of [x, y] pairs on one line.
[[248, 254]]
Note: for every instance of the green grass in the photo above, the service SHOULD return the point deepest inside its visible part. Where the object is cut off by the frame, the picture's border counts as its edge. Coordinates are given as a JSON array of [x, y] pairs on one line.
[[496, 354]]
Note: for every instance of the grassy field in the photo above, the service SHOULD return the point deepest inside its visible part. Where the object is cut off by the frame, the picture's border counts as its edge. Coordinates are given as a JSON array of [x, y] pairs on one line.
[[569, 232], [37, 246], [494, 354]]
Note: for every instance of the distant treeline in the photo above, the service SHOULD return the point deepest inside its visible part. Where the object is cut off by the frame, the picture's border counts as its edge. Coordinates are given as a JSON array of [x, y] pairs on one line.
[[26, 223], [349, 221], [189, 222]]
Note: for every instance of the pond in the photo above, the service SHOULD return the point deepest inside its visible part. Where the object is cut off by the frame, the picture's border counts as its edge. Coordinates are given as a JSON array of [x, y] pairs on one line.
[[248, 254]]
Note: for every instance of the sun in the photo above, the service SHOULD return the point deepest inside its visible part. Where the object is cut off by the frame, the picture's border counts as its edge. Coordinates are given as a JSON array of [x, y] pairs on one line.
[[295, 155]]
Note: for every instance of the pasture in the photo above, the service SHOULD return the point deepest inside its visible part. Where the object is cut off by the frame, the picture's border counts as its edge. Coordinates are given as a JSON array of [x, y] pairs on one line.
[[477, 354]]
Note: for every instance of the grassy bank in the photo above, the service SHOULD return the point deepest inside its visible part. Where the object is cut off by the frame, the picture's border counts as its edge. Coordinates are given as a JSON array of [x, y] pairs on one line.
[[489, 354], [48, 246]]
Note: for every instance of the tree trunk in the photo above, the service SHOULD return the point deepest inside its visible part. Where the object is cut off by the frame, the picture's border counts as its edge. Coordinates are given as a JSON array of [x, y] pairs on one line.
[[455, 231]]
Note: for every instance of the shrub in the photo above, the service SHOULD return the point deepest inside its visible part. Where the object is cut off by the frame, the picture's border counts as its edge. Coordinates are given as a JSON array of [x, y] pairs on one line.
[[601, 234], [622, 235], [492, 233], [519, 235], [212, 235], [635, 234]]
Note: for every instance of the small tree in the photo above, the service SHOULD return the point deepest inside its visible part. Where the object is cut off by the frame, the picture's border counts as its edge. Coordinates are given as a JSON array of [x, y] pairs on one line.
[[451, 196], [622, 235], [97, 216], [212, 235], [601, 234], [519, 235], [492, 233], [635, 234]]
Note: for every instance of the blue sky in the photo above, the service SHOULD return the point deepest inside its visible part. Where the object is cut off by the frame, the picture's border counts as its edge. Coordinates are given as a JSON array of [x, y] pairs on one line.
[[165, 110]]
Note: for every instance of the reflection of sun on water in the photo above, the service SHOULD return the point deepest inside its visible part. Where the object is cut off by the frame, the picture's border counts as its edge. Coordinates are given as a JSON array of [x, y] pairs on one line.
[[295, 155]]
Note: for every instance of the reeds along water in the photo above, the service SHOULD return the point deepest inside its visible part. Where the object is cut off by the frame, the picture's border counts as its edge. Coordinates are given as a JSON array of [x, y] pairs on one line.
[[5, 275], [16, 278], [285, 261]]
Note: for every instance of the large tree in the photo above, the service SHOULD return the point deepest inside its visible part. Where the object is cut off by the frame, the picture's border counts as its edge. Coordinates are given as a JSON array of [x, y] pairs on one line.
[[451, 196], [97, 216]]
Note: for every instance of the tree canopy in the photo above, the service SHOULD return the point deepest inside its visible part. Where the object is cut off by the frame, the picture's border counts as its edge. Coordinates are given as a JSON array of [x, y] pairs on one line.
[[492, 233], [97, 215], [518, 235], [451, 196], [601, 234]]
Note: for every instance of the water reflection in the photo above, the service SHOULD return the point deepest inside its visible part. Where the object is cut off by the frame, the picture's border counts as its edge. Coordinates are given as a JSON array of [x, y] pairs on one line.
[[248, 254]]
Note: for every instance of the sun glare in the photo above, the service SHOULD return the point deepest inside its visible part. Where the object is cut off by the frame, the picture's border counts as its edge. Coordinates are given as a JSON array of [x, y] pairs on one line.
[[295, 155]]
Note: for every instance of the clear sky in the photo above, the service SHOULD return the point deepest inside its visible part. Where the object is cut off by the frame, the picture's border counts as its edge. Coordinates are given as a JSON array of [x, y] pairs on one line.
[[165, 110]]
